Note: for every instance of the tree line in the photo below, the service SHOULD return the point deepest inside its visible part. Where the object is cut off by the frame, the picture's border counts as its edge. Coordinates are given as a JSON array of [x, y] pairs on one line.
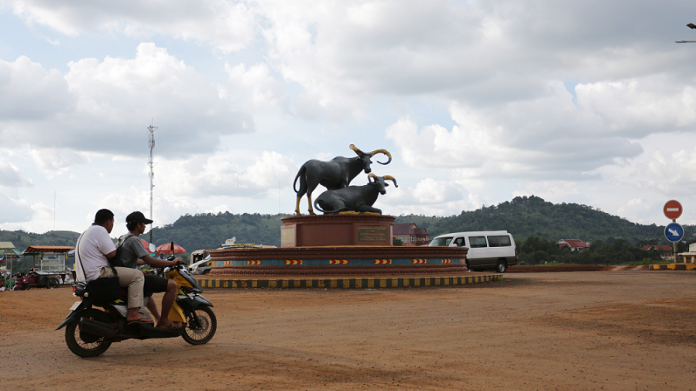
[[536, 250], [535, 224]]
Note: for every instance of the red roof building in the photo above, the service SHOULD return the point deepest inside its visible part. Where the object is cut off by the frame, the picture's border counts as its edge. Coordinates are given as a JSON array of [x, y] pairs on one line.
[[658, 247], [573, 244], [410, 234]]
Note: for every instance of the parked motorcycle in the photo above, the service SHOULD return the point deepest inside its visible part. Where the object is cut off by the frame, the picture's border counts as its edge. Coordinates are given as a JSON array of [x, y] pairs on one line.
[[91, 331]]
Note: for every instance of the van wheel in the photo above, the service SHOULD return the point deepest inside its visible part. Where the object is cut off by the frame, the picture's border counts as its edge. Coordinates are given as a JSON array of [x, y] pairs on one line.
[[501, 267]]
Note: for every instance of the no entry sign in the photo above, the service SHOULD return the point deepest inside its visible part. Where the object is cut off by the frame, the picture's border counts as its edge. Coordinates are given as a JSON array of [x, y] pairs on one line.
[[673, 209]]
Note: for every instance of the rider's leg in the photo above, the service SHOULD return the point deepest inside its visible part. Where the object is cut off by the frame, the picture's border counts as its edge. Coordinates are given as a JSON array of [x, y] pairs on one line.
[[152, 307], [132, 279], [167, 303]]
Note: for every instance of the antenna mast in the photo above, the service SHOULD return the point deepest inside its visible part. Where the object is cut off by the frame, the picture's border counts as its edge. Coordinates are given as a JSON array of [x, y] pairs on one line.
[[151, 144]]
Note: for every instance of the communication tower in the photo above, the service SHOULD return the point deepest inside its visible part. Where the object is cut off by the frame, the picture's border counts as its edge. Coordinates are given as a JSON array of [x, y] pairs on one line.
[[151, 163]]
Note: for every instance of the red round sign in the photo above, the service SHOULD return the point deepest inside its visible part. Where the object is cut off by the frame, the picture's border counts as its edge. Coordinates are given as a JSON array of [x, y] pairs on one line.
[[672, 209]]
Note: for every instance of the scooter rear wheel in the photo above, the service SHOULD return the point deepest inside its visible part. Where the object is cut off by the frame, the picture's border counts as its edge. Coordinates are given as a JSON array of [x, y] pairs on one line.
[[199, 333], [85, 344]]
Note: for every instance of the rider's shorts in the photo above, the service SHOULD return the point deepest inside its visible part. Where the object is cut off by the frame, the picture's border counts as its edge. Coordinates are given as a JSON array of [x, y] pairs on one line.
[[154, 284]]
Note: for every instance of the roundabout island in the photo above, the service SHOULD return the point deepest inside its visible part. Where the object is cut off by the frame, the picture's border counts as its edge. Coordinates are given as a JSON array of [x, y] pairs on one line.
[[340, 251], [349, 246]]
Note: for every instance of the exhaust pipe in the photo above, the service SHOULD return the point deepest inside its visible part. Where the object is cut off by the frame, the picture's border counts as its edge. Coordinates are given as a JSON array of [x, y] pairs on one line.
[[96, 327]]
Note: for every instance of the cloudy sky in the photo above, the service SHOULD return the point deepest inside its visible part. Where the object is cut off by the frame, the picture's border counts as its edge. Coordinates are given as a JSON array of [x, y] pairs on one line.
[[588, 102]]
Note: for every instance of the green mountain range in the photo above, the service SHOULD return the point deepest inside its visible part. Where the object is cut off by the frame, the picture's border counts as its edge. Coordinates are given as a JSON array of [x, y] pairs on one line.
[[532, 216], [523, 217], [22, 240]]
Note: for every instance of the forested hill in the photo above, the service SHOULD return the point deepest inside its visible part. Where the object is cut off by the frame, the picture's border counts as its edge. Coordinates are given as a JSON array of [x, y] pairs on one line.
[[532, 216], [209, 230], [22, 240], [523, 217]]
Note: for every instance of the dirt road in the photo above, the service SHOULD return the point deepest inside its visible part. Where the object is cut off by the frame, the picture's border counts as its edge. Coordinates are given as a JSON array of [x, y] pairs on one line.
[[631, 330]]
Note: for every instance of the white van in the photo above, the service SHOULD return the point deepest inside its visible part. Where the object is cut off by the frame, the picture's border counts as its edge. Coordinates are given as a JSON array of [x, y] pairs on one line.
[[487, 249]]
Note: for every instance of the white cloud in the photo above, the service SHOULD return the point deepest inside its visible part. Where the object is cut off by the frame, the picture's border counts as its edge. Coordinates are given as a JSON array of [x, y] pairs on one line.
[[669, 174], [30, 93], [167, 208], [112, 102], [255, 86], [225, 174], [13, 211], [634, 208], [429, 196], [228, 26], [57, 160], [538, 102], [11, 176], [638, 107], [270, 170], [430, 191], [544, 138]]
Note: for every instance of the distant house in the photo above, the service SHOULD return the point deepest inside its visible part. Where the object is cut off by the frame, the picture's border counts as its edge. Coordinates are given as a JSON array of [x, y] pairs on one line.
[[410, 234], [573, 244], [658, 247]]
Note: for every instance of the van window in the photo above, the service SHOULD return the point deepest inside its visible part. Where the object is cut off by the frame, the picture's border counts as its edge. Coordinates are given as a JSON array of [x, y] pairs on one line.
[[459, 242], [477, 241], [441, 241], [499, 241]]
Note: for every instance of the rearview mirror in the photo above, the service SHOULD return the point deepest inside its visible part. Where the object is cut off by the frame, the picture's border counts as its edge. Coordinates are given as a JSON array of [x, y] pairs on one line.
[[152, 248]]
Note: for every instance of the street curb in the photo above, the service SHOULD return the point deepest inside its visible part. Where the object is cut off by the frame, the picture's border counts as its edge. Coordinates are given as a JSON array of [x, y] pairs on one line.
[[346, 283], [673, 266]]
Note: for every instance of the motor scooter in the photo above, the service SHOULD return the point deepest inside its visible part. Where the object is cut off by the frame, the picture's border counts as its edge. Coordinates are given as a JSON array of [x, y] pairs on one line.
[[91, 331]]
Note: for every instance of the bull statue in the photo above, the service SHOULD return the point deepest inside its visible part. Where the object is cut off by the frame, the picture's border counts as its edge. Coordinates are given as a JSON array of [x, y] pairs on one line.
[[334, 174], [354, 199]]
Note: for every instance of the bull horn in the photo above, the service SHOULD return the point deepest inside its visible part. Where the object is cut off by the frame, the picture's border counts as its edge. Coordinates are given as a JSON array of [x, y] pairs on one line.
[[359, 152], [384, 151], [373, 176], [386, 177]]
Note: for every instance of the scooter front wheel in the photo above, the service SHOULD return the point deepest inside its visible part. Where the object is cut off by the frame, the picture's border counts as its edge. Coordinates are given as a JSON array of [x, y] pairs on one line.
[[85, 344], [201, 325]]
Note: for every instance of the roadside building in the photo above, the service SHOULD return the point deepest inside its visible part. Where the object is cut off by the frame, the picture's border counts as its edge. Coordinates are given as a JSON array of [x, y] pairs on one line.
[[690, 256], [410, 234], [573, 244]]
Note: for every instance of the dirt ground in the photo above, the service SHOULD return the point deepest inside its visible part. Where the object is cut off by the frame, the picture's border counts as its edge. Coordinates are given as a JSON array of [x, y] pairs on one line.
[[624, 330]]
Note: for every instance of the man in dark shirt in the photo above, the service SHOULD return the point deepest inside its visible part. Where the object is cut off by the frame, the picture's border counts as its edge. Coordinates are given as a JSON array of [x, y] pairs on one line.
[[133, 253]]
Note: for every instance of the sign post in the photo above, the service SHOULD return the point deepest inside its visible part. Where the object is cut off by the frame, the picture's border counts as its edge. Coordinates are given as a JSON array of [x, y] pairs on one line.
[[673, 232]]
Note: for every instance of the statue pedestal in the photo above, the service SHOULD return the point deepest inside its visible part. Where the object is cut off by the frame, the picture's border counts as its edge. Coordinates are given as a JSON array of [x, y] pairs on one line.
[[339, 245], [336, 230]]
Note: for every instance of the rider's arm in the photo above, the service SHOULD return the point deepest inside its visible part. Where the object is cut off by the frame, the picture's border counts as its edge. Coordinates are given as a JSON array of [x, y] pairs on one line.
[[154, 262], [111, 254]]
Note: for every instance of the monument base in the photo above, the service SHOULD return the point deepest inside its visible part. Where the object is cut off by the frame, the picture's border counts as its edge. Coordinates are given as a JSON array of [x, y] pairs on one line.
[[336, 230], [337, 260]]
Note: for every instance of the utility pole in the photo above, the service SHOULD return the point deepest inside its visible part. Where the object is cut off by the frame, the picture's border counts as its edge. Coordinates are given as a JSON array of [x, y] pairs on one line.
[[151, 163]]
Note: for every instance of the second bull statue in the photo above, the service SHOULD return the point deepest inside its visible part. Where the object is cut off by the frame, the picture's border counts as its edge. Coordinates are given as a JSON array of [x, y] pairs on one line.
[[354, 199], [334, 174]]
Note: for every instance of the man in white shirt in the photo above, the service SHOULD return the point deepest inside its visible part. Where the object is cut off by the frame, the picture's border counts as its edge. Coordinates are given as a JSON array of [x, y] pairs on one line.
[[93, 248]]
